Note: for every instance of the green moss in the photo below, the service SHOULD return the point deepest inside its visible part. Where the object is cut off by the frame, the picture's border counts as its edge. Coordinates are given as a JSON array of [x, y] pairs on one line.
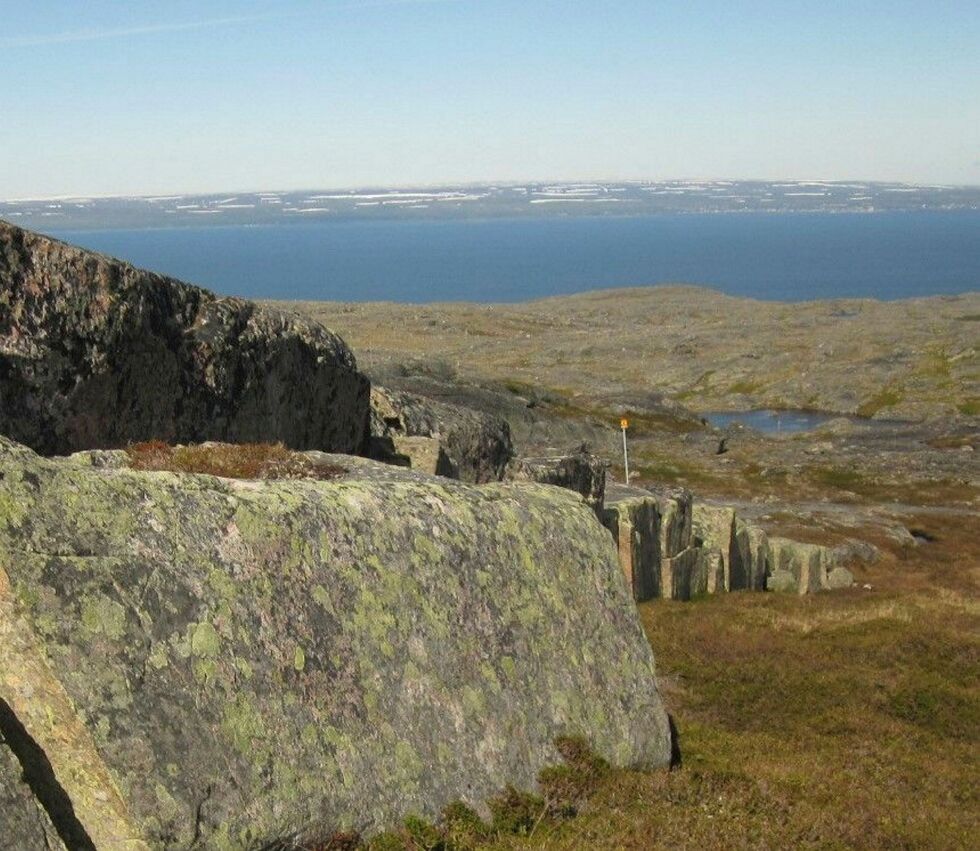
[[969, 408], [515, 811], [886, 398], [745, 387], [423, 834]]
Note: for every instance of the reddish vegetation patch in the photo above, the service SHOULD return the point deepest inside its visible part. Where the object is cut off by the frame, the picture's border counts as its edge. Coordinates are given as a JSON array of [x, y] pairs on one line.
[[230, 460]]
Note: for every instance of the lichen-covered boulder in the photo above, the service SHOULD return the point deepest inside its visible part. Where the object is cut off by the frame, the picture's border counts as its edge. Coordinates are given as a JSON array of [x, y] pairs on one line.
[[838, 578], [96, 353], [477, 445], [209, 662]]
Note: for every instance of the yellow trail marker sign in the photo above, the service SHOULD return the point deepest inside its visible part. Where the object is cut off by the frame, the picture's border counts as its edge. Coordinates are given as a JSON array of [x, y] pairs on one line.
[[624, 423]]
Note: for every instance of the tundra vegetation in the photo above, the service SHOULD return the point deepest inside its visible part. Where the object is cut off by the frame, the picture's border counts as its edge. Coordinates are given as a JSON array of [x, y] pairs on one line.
[[833, 720]]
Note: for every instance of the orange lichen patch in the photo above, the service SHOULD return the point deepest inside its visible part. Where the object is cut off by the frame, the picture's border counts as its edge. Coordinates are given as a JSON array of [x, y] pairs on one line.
[[230, 460]]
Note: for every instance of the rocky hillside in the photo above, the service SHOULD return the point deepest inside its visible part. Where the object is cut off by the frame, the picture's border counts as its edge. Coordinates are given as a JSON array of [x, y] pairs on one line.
[[96, 353]]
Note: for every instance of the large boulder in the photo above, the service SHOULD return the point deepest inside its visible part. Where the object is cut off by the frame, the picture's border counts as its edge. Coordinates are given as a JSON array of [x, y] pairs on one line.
[[212, 662], [94, 352], [477, 445]]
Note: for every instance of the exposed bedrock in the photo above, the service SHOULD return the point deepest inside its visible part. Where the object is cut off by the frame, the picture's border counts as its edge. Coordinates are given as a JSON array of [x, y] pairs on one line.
[[804, 568], [673, 546], [95, 353], [466, 444], [213, 662], [579, 471]]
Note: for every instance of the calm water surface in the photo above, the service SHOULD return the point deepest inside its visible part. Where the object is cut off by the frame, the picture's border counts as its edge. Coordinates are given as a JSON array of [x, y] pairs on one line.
[[785, 257], [770, 421]]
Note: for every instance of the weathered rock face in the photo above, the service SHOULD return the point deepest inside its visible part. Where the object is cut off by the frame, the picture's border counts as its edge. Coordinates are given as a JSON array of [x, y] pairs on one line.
[[751, 558], [94, 352], [676, 510], [477, 445], [580, 471], [635, 527], [24, 823], [714, 528], [799, 567], [212, 662]]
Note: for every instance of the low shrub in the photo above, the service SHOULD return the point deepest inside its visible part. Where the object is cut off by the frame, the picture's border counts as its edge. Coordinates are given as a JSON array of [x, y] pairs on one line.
[[230, 460]]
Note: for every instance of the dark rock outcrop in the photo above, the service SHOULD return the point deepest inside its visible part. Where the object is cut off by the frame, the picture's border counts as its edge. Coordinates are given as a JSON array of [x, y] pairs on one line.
[[579, 471], [477, 445], [208, 662], [95, 353]]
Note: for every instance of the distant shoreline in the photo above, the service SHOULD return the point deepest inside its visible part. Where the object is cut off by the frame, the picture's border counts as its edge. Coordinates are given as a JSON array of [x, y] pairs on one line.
[[463, 202]]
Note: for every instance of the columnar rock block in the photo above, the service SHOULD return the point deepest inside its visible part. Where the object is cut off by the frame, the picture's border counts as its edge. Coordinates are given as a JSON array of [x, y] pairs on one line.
[[635, 525], [218, 663], [676, 507], [677, 574], [806, 565], [714, 528], [750, 561]]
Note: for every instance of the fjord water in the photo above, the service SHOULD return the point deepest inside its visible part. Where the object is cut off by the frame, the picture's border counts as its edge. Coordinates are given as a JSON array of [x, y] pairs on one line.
[[791, 257]]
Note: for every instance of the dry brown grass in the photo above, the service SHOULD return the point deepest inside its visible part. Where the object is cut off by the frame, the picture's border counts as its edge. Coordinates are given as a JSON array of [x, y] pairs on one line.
[[230, 460], [845, 720]]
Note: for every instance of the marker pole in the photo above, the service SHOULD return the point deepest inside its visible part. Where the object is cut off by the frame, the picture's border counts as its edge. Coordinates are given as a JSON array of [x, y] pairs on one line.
[[624, 424]]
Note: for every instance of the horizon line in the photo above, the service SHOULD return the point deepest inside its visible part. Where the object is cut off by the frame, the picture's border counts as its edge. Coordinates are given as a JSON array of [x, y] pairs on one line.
[[480, 183]]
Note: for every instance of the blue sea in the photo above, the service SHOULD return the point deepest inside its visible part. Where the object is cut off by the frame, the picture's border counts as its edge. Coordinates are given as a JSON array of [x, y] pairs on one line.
[[788, 257]]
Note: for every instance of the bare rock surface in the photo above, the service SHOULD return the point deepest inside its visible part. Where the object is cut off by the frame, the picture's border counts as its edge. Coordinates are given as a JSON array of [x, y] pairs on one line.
[[477, 445], [579, 471], [97, 353], [209, 662]]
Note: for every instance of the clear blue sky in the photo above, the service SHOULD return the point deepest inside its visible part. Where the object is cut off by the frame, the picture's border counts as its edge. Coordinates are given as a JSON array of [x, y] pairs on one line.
[[101, 97]]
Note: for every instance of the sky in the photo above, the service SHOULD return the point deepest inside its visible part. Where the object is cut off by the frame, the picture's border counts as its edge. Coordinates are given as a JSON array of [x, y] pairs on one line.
[[106, 97]]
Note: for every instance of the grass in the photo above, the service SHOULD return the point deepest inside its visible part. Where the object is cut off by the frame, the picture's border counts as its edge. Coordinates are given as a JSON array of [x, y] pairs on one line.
[[230, 461], [845, 720], [886, 398], [746, 387], [969, 408]]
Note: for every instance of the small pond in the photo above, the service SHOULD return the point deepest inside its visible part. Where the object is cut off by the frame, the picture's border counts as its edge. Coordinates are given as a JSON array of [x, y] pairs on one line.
[[772, 421]]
